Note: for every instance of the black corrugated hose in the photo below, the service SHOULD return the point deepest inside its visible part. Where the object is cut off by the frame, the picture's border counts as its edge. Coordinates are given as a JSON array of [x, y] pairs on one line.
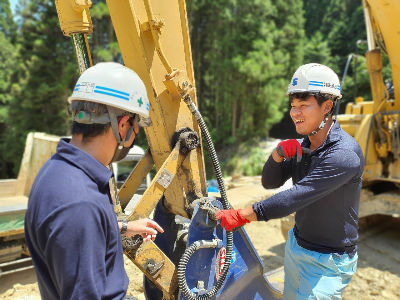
[[229, 235]]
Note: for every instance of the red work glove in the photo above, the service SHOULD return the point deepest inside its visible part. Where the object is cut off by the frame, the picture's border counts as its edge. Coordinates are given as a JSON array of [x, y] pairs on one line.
[[231, 218], [289, 148]]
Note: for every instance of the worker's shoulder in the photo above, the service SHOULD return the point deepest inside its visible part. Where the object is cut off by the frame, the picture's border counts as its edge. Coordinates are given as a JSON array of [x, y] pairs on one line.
[[56, 174], [343, 149], [59, 182], [346, 143], [346, 155]]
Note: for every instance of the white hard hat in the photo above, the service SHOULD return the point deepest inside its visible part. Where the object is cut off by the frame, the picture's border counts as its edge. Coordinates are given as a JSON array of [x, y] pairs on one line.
[[114, 85], [315, 78]]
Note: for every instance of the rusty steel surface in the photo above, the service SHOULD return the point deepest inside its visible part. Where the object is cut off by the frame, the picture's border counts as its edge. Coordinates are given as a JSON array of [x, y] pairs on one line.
[[148, 255], [154, 41]]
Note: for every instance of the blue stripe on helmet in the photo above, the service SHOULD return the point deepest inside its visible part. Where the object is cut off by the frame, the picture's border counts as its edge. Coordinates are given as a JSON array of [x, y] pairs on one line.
[[316, 84], [111, 90], [111, 94], [76, 89], [77, 85], [314, 81]]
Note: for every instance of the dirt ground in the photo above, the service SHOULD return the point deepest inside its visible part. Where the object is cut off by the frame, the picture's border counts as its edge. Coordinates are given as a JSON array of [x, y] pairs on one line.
[[377, 276]]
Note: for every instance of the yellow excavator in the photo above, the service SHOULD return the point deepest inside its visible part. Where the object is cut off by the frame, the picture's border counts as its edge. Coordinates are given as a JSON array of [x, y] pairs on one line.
[[197, 259], [194, 258], [375, 123]]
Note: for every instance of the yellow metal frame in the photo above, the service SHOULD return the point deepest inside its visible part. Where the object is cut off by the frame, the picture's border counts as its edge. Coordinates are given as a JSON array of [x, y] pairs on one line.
[[373, 123], [142, 27], [134, 180], [384, 23]]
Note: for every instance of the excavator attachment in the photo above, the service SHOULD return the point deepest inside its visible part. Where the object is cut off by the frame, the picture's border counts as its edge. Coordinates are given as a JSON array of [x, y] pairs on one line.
[[153, 36], [245, 278]]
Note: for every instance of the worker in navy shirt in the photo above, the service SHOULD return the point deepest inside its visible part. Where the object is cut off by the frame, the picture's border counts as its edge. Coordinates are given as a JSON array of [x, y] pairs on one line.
[[70, 226], [326, 168]]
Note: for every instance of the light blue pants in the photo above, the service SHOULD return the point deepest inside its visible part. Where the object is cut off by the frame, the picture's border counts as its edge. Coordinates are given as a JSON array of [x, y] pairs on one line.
[[314, 275]]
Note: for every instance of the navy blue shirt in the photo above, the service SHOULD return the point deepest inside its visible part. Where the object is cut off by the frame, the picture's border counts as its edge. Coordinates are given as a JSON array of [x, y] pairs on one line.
[[72, 231], [325, 194]]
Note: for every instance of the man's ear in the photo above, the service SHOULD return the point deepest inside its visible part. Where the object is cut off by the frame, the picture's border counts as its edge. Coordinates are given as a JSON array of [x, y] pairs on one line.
[[122, 126], [328, 104]]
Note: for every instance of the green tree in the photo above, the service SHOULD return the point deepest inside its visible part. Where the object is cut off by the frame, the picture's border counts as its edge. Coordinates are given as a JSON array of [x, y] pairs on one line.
[[314, 14], [342, 26], [7, 24], [243, 53], [7, 54], [45, 73], [316, 49], [7, 62], [103, 41]]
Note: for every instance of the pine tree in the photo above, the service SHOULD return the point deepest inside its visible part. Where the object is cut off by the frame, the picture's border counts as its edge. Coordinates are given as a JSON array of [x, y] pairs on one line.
[[316, 50], [7, 56], [103, 41], [7, 24], [244, 53], [45, 73], [7, 62]]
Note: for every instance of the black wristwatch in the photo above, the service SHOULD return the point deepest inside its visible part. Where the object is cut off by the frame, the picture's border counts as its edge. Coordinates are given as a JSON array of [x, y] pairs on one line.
[[124, 226]]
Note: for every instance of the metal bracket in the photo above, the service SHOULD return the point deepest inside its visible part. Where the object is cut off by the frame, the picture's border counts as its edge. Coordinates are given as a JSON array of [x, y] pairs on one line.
[[152, 267], [178, 84], [155, 24]]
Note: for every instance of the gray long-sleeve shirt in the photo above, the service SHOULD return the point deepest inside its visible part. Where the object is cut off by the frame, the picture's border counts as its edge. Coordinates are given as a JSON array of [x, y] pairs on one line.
[[325, 193]]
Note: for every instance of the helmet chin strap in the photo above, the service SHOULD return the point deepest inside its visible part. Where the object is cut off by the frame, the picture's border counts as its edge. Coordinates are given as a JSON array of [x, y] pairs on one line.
[[120, 151], [321, 125]]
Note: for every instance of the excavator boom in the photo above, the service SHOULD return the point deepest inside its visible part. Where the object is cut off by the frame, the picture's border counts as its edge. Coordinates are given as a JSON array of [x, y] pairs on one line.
[[383, 31], [375, 124], [153, 37]]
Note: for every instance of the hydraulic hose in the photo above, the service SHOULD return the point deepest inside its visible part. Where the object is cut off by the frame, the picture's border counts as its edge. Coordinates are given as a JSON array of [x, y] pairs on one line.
[[225, 204], [82, 51], [182, 269], [211, 150]]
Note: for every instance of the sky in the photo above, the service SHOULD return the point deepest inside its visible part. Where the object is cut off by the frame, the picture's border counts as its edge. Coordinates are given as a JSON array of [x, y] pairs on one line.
[[13, 3]]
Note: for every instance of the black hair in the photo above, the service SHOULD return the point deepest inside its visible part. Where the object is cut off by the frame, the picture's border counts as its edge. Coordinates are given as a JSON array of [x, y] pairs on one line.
[[321, 98], [88, 130]]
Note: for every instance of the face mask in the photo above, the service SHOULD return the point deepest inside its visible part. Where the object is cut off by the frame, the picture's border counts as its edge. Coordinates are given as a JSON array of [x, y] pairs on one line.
[[120, 154]]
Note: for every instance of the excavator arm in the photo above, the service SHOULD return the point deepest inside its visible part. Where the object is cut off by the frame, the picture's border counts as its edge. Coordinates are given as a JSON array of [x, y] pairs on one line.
[[383, 34], [168, 76], [153, 36], [375, 124]]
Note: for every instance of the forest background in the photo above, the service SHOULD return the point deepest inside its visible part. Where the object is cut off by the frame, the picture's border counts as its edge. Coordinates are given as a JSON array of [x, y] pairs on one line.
[[244, 54]]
